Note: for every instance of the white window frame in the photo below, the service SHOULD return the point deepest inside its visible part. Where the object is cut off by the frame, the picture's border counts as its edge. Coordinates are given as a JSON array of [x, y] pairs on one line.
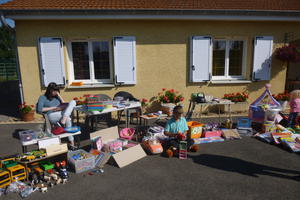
[[244, 59], [92, 79]]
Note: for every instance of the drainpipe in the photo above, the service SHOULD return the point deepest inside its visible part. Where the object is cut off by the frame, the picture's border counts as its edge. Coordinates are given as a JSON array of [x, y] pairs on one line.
[[5, 25]]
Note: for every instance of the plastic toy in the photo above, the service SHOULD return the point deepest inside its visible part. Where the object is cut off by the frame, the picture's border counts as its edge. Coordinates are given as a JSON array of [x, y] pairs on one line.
[[183, 150], [152, 145], [195, 129], [61, 166], [181, 136], [4, 178], [17, 172], [260, 105], [46, 165], [72, 129], [8, 162]]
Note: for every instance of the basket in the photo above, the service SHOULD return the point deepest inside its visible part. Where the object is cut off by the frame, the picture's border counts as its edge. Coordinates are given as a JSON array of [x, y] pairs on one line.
[[195, 129], [83, 164], [127, 133]]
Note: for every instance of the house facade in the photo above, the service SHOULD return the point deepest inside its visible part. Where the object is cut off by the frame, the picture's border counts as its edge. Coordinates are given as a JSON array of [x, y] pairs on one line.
[[105, 48]]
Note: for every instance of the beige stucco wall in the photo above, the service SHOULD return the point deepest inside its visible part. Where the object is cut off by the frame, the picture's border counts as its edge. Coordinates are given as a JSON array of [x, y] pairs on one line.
[[162, 52]]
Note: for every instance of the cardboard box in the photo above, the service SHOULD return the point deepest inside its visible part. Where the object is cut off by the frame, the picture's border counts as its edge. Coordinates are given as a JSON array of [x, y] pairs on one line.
[[124, 157], [55, 149]]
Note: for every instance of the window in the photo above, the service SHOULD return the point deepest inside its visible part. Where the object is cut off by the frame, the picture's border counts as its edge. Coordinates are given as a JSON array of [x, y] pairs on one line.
[[91, 62], [228, 59]]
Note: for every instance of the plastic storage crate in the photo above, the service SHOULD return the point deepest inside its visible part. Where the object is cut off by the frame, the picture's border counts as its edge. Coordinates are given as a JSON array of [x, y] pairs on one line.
[[27, 135], [195, 129], [81, 165]]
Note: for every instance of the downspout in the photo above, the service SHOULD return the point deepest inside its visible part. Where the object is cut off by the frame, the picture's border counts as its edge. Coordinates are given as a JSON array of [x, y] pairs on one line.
[[5, 25]]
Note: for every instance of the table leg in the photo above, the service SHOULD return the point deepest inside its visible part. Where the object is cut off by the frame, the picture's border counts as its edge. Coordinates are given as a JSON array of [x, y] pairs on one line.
[[77, 117], [219, 114], [229, 109], [24, 149], [200, 114]]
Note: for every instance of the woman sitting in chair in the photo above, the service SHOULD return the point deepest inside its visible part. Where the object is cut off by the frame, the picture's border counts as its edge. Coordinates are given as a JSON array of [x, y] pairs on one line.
[[59, 112]]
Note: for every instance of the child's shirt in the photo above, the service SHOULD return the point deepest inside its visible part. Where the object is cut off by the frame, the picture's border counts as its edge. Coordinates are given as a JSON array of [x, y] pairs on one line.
[[295, 105], [174, 126]]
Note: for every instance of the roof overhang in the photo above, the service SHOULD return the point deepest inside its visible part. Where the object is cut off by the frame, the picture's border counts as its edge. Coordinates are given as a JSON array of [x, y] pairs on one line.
[[96, 14]]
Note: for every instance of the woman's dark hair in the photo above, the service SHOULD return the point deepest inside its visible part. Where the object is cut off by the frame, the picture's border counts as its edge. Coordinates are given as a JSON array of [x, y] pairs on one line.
[[51, 87]]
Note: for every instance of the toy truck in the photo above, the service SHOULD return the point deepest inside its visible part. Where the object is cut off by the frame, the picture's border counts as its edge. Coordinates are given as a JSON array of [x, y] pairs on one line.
[[4, 178], [17, 172]]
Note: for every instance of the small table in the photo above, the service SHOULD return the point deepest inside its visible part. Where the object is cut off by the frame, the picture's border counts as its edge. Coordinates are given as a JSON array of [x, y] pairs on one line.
[[193, 105], [105, 111], [35, 141], [146, 118]]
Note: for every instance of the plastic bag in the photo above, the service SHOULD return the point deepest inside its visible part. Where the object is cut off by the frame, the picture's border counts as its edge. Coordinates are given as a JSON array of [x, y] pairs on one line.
[[21, 188]]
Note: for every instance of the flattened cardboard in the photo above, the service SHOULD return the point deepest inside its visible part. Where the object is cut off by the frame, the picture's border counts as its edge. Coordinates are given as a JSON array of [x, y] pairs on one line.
[[124, 157], [230, 134], [55, 149]]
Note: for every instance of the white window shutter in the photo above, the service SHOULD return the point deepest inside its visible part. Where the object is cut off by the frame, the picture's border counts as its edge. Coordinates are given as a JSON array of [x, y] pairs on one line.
[[51, 60], [262, 58], [201, 50], [125, 60]]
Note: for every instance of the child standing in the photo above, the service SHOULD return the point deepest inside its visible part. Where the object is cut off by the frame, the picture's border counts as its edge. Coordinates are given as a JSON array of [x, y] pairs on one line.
[[295, 108]]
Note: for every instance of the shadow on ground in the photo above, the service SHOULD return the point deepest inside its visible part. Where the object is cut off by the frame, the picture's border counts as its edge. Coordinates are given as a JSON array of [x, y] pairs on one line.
[[247, 168]]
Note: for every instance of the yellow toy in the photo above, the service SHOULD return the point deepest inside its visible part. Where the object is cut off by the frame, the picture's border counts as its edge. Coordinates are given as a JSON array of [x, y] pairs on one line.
[[4, 178], [17, 172]]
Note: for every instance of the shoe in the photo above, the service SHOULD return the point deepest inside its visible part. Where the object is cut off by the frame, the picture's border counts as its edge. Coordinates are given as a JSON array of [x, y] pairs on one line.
[[194, 148], [169, 153], [60, 124]]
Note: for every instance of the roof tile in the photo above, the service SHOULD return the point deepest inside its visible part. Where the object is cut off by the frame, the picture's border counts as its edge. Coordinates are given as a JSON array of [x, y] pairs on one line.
[[283, 5]]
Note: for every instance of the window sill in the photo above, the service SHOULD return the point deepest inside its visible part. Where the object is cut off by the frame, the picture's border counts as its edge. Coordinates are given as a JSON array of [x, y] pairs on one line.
[[91, 86], [230, 81]]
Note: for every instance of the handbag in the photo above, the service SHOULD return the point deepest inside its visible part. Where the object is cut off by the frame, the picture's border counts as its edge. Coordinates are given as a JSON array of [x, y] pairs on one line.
[[57, 130]]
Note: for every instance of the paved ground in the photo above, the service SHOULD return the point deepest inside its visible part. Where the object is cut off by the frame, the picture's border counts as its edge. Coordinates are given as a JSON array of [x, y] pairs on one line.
[[241, 169]]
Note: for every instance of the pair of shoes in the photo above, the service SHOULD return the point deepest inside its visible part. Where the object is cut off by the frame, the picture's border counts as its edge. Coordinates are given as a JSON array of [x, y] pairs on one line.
[[194, 148]]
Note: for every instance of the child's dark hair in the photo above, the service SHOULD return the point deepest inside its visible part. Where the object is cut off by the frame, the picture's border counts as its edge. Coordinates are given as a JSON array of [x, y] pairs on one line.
[[51, 87], [178, 109]]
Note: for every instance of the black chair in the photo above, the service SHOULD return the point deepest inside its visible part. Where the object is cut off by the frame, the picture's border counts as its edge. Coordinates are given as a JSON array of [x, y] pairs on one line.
[[131, 112]]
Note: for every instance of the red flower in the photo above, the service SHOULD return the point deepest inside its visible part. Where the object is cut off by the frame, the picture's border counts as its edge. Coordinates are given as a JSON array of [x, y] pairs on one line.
[[166, 98], [76, 99], [80, 97], [181, 99], [163, 89], [172, 91], [144, 100], [32, 106]]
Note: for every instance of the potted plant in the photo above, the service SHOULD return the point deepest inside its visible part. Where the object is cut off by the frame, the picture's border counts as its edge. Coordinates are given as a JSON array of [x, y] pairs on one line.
[[144, 104], [27, 112], [169, 99], [237, 97], [288, 53]]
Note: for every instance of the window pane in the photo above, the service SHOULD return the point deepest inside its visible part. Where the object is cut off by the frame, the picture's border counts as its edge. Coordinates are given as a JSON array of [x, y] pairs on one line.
[[81, 60], [235, 58], [101, 60], [219, 58]]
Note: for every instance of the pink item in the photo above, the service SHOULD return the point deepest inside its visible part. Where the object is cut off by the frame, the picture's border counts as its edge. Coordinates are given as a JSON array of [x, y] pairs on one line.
[[212, 133], [127, 133], [295, 105]]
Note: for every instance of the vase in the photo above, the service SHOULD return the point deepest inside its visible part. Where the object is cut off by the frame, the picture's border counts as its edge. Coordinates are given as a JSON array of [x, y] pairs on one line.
[[26, 117], [167, 108]]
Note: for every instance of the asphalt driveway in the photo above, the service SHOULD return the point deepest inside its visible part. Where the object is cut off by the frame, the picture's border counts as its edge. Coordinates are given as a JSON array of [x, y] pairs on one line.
[[240, 169]]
